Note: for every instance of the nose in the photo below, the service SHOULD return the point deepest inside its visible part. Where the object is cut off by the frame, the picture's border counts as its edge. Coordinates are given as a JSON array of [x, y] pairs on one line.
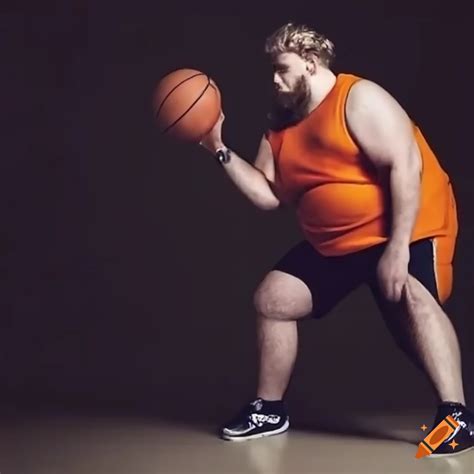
[[276, 79]]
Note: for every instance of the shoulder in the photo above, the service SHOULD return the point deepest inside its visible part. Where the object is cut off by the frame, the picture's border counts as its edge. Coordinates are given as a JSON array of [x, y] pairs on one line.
[[377, 122], [369, 104], [366, 95]]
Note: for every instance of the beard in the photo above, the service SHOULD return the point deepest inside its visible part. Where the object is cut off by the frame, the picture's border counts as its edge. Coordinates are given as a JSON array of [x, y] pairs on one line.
[[289, 108]]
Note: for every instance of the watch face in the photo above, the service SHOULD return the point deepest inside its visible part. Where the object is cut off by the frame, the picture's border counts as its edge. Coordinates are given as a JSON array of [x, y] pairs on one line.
[[223, 156]]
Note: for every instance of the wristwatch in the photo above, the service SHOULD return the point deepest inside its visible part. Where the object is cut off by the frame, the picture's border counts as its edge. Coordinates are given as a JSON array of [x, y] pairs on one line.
[[223, 155]]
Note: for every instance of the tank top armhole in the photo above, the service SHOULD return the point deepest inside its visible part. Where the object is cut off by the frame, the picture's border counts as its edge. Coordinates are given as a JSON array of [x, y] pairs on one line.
[[344, 118], [275, 141]]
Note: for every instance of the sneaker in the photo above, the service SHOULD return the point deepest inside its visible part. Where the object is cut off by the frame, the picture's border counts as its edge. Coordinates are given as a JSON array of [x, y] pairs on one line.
[[257, 419], [463, 435]]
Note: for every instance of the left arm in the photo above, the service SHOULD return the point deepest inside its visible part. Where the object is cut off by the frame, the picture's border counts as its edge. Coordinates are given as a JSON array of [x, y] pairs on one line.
[[385, 134]]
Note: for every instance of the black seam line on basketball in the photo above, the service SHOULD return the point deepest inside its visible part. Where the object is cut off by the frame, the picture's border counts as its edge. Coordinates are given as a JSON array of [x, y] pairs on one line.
[[189, 108], [173, 89], [427, 445]]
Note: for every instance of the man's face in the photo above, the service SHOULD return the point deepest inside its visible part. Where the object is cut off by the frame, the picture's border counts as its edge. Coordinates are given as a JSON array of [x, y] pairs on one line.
[[288, 68], [291, 94]]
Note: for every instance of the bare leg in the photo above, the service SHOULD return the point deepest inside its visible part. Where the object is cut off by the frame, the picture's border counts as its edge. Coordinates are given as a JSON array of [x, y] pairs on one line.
[[425, 333], [277, 347], [280, 300]]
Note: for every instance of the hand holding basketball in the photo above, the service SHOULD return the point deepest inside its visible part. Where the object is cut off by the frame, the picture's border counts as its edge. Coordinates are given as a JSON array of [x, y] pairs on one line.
[[213, 140]]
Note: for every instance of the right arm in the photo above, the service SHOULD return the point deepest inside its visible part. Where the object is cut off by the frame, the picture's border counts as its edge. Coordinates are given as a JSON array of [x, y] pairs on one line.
[[254, 181]]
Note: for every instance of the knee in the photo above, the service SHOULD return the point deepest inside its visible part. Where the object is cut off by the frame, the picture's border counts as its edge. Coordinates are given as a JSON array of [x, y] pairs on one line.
[[270, 304], [282, 296]]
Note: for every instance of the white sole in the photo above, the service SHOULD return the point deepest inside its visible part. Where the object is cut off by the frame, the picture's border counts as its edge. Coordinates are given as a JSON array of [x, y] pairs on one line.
[[447, 455], [280, 430]]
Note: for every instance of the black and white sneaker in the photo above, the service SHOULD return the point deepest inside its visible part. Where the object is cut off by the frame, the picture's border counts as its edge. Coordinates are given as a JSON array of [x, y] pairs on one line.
[[462, 439], [257, 419]]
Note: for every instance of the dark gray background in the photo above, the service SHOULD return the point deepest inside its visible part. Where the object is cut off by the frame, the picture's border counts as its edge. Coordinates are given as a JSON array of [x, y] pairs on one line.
[[129, 262]]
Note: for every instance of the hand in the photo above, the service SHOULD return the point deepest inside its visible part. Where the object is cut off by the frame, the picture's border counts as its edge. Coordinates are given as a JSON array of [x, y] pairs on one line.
[[392, 271], [213, 140]]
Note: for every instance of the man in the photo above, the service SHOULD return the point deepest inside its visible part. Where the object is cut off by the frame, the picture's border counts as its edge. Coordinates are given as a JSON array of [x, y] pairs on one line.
[[375, 207]]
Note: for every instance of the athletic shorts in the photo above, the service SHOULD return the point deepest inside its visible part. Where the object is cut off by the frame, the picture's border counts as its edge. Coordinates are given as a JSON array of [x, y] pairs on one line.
[[330, 279]]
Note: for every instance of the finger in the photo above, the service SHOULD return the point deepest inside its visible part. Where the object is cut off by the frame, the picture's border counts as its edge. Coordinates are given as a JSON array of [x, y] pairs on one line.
[[388, 291], [394, 293], [397, 293], [402, 289], [406, 294]]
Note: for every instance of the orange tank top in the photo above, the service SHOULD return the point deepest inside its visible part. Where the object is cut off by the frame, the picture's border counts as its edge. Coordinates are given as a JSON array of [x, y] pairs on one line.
[[339, 202]]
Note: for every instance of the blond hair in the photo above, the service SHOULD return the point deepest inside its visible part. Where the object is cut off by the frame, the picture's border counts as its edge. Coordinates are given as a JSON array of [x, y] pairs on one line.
[[302, 40]]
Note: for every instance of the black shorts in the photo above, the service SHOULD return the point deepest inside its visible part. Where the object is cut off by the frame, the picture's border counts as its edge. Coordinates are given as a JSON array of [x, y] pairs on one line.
[[330, 279]]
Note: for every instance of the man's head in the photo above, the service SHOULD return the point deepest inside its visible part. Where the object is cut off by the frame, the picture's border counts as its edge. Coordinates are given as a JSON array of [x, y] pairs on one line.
[[297, 54]]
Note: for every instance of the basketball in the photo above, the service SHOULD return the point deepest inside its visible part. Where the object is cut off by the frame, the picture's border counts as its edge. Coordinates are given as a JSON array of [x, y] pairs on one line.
[[186, 104]]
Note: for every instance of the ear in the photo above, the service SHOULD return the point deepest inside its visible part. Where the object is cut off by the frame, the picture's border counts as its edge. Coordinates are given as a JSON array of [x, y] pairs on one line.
[[312, 64]]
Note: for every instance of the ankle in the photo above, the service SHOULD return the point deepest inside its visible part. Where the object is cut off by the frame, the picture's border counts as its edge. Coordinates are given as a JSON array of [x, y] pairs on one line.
[[264, 405], [453, 402], [269, 398]]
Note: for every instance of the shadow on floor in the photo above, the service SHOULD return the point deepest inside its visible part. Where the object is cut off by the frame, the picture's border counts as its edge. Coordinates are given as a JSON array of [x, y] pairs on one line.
[[207, 417]]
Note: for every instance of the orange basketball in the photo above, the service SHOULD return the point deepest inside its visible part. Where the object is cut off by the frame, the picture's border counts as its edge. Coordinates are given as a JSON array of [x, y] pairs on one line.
[[186, 104]]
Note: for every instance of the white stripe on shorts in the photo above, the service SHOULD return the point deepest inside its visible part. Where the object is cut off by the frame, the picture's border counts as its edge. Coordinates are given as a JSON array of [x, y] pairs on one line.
[[435, 261]]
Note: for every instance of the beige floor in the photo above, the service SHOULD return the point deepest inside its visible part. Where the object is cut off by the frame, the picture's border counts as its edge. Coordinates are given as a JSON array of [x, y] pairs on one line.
[[70, 444]]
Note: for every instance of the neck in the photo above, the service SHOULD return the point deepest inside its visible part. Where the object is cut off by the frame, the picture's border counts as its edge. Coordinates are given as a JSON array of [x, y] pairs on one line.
[[320, 86]]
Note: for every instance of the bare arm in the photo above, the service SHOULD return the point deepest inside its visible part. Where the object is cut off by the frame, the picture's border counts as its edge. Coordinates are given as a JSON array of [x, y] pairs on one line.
[[385, 133], [265, 162], [252, 180]]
